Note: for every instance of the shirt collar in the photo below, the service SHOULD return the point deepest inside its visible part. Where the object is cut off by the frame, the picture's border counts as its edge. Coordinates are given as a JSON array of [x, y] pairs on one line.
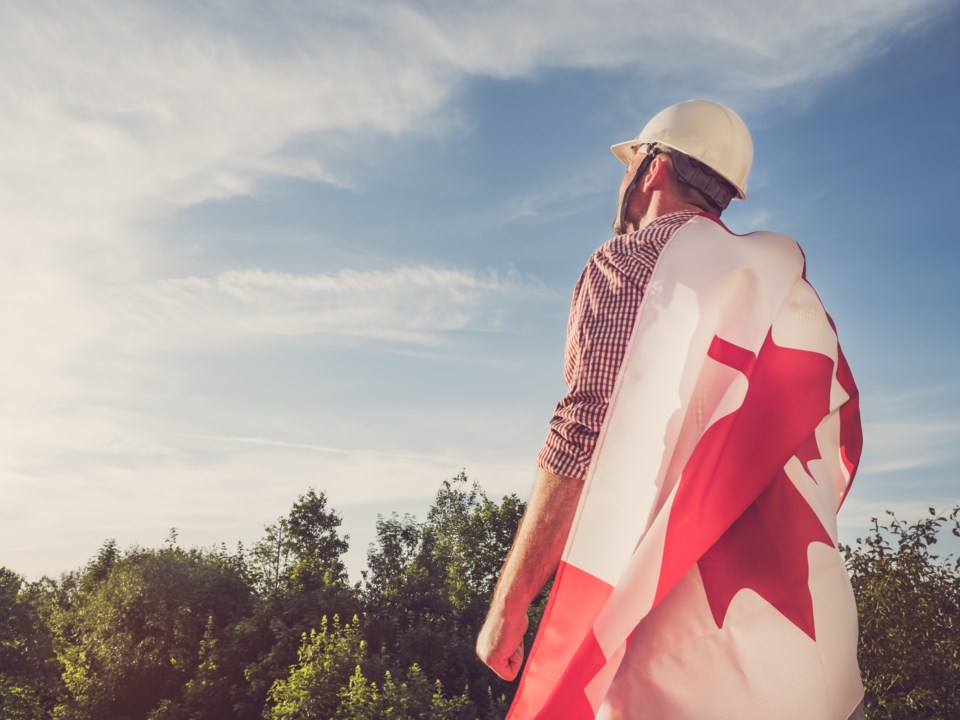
[[671, 218]]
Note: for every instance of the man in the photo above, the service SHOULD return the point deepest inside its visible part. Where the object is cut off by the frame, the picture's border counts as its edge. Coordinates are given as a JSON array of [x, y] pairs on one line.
[[688, 486]]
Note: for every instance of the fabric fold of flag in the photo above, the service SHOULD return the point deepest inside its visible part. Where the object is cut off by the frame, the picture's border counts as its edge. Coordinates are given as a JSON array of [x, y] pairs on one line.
[[701, 578]]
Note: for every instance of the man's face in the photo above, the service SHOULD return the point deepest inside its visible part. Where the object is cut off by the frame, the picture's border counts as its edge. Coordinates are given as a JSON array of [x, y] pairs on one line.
[[637, 202]]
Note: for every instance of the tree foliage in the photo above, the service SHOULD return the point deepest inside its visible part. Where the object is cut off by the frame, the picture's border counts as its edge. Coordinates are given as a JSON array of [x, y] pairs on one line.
[[908, 601], [332, 680], [131, 634], [429, 585], [205, 634], [303, 549], [299, 573], [327, 659], [413, 698], [29, 671]]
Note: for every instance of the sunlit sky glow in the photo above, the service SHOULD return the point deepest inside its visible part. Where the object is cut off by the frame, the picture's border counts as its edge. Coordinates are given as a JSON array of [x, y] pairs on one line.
[[250, 248]]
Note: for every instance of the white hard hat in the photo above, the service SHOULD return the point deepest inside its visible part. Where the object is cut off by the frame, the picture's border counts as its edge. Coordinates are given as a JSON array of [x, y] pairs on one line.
[[704, 130]]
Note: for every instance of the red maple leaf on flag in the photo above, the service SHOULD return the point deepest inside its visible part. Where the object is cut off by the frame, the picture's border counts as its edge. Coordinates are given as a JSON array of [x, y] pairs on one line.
[[765, 550], [736, 513]]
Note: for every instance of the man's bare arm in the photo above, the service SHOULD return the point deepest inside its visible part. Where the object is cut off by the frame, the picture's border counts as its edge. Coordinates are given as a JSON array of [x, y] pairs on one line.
[[532, 560]]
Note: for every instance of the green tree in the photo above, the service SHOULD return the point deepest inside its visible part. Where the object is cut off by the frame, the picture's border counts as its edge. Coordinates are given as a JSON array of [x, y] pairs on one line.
[[132, 627], [413, 698], [908, 601], [331, 680], [301, 549], [429, 585], [299, 571], [29, 672], [327, 658]]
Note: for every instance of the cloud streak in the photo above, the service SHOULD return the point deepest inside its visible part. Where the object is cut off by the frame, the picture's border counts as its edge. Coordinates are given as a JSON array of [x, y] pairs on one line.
[[215, 490], [744, 45], [406, 304], [135, 109], [914, 428], [911, 444]]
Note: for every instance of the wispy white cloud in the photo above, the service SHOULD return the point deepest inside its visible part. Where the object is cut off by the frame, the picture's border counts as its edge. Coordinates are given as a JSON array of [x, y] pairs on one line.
[[908, 434], [134, 109], [914, 399], [567, 196], [911, 444], [330, 450], [410, 304], [120, 114], [214, 490], [912, 428], [735, 46]]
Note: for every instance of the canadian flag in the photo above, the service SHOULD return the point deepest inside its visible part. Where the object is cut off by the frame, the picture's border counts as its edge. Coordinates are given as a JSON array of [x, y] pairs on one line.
[[701, 578]]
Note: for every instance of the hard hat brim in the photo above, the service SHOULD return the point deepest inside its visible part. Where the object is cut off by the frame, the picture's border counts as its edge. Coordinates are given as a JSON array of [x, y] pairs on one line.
[[624, 153]]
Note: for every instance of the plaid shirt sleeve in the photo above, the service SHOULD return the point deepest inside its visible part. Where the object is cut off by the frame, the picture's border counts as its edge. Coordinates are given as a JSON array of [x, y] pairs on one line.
[[602, 315]]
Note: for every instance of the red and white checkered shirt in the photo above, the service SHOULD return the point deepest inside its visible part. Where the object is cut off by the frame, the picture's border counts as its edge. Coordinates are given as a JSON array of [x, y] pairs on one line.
[[602, 315]]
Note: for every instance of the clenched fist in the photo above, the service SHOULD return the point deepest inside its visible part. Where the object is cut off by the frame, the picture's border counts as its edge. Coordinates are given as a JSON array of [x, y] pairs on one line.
[[500, 643]]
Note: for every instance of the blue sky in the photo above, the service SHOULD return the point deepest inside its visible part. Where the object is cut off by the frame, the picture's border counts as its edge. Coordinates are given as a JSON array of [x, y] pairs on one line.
[[251, 248]]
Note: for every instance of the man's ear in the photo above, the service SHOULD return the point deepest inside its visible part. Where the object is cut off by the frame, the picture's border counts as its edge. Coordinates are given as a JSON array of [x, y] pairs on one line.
[[658, 174]]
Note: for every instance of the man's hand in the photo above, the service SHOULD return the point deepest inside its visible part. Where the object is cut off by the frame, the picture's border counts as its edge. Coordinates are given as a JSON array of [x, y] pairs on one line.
[[531, 561], [500, 643]]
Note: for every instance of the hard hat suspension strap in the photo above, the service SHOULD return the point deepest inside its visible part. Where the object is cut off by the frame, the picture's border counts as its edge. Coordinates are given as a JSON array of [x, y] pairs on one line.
[[717, 191]]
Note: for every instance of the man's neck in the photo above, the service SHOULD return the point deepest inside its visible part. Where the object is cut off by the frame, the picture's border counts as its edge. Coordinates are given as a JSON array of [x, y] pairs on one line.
[[660, 205]]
